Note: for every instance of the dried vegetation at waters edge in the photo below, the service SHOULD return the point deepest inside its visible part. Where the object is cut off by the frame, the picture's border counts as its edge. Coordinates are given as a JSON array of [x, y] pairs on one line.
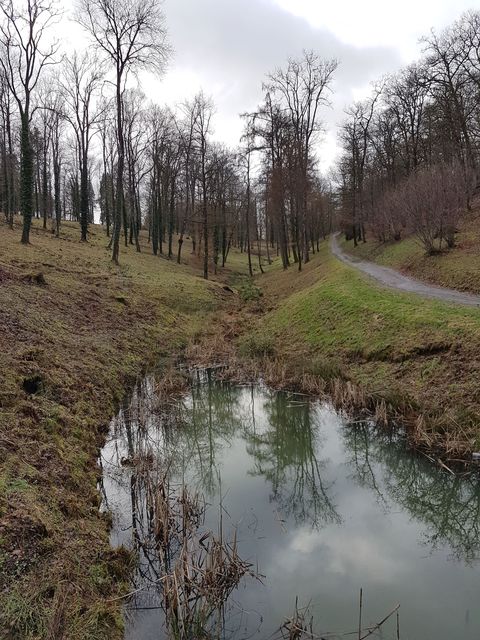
[[184, 568], [300, 625], [195, 587], [331, 331]]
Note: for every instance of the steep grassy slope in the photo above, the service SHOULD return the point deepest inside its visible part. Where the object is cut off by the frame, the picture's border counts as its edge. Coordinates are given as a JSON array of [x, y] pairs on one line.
[[420, 357], [71, 341]]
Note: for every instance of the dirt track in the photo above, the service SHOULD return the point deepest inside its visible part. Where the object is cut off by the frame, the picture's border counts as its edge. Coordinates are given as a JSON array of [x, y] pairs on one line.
[[395, 280]]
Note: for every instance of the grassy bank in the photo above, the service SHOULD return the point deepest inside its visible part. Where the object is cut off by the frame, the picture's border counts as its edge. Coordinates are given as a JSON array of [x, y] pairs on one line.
[[399, 353], [457, 268], [75, 332]]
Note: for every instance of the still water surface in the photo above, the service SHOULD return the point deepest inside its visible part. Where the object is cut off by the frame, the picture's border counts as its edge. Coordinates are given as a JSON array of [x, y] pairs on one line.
[[321, 506]]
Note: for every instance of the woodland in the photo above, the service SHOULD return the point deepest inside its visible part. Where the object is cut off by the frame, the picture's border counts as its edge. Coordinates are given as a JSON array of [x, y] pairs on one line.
[[140, 256], [79, 139]]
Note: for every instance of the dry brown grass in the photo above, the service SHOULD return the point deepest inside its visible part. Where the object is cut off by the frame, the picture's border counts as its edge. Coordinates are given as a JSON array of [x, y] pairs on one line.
[[197, 570], [330, 333], [72, 342]]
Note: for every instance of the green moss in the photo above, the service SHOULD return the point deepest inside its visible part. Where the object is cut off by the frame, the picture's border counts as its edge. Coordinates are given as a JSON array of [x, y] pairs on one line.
[[17, 485]]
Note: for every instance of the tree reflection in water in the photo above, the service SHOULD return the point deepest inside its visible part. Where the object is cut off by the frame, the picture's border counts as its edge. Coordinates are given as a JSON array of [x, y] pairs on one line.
[[448, 506], [188, 438], [246, 433], [284, 452], [280, 438], [152, 447]]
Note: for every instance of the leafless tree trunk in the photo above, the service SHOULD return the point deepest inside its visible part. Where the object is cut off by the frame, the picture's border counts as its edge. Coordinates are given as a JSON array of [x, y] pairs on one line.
[[24, 54], [131, 35]]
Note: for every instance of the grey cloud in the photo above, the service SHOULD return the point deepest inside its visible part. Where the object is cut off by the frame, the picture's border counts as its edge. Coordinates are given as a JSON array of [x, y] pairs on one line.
[[237, 42]]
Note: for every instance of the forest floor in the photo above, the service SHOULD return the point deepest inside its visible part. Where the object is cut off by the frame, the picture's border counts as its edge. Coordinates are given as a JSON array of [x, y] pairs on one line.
[[74, 339]]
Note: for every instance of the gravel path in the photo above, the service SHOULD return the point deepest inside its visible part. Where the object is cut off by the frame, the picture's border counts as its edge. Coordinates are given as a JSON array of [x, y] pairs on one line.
[[395, 280]]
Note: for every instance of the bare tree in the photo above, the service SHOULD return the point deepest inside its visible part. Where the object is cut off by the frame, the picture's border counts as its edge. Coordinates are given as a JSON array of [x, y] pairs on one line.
[[45, 120], [80, 82], [23, 57], [303, 88], [406, 95], [131, 34], [136, 137], [202, 130], [447, 59], [272, 125], [186, 129], [355, 135], [8, 155], [107, 139], [245, 158], [433, 198], [56, 134]]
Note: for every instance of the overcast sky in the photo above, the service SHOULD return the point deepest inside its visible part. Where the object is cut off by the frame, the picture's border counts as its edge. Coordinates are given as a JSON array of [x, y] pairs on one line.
[[227, 46]]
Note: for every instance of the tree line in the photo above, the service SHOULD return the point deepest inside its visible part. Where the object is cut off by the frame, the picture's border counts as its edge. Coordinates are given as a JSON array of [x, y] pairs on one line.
[[410, 152], [78, 139]]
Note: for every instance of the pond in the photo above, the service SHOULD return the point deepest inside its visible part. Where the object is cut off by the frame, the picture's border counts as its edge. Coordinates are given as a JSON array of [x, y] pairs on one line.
[[320, 506]]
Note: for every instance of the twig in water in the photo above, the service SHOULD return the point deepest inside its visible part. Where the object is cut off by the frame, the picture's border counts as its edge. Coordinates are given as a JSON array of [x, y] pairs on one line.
[[360, 615], [379, 624]]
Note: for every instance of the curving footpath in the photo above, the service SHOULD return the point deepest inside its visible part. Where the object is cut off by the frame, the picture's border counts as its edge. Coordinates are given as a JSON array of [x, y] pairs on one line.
[[395, 280]]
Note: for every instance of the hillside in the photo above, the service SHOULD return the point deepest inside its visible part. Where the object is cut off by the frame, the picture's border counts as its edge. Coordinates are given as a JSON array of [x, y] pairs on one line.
[[395, 352], [458, 268], [75, 333]]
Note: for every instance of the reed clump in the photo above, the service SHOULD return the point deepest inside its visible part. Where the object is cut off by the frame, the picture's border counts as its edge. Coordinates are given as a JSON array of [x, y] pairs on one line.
[[169, 386], [196, 570], [196, 591]]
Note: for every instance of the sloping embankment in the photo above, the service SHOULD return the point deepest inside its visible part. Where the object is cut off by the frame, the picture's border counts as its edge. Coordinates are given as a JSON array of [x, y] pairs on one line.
[[414, 357], [72, 340]]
